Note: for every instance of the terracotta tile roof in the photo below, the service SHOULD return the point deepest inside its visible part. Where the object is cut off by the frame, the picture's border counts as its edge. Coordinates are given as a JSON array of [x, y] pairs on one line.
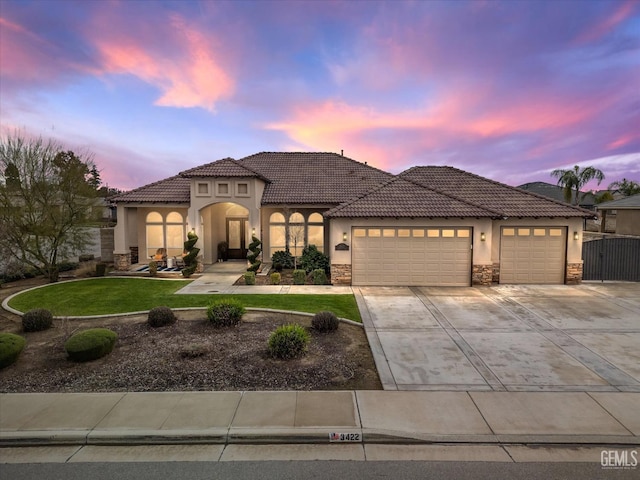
[[175, 189], [227, 167], [312, 178], [509, 201], [400, 198]]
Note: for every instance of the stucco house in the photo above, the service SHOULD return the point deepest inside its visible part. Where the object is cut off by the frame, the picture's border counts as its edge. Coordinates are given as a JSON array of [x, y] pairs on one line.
[[627, 212], [425, 226]]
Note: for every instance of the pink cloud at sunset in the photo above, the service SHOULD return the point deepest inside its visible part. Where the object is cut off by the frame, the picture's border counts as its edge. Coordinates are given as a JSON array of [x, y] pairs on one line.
[[602, 27], [189, 77]]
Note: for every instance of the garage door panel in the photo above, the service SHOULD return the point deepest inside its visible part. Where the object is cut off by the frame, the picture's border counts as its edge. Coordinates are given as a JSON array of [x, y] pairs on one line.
[[424, 258], [532, 255]]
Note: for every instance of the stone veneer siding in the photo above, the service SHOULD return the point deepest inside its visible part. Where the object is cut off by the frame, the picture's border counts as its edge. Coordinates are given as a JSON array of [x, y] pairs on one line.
[[495, 273], [122, 261], [340, 274], [482, 275], [574, 274]]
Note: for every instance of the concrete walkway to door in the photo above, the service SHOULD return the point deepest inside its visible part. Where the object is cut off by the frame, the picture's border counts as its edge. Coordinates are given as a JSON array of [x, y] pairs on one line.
[[505, 338]]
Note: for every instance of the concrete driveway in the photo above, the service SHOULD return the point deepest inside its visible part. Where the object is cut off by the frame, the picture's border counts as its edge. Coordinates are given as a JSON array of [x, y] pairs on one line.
[[505, 338]]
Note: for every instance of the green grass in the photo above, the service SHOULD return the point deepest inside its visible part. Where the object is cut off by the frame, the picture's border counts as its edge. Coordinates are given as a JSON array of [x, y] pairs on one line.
[[103, 296]]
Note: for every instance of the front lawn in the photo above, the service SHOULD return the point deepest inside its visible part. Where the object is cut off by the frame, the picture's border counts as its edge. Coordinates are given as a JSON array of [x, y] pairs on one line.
[[104, 296]]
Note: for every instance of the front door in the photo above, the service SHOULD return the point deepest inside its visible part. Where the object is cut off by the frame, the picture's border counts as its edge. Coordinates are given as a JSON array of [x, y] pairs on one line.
[[236, 237]]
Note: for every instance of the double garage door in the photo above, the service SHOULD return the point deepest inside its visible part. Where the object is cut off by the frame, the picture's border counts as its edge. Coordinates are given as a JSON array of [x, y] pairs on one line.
[[532, 255], [411, 256], [442, 256]]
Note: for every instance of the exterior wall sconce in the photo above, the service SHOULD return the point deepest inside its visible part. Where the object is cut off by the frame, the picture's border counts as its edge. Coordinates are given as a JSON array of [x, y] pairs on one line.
[[483, 237], [344, 236], [575, 235], [253, 231]]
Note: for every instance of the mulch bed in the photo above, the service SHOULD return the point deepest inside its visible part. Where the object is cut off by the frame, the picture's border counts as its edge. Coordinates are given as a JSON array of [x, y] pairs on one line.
[[191, 355]]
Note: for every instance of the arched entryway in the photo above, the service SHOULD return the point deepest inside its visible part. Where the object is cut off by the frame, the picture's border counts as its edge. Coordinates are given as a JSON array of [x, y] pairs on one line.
[[225, 222]]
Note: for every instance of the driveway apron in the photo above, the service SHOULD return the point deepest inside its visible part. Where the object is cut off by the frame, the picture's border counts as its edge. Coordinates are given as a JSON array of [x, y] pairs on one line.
[[505, 338]]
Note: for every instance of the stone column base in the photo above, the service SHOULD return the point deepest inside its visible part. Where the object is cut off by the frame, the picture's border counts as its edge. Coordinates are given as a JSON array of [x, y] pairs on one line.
[[574, 274], [340, 274], [482, 274], [122, 261]]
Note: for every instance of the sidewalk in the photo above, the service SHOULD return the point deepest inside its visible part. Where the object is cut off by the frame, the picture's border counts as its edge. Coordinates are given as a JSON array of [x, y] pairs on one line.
[[374, 417]]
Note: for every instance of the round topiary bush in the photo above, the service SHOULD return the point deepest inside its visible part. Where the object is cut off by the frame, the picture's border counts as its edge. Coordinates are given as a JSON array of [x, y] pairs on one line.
[[325, 322], [161, 316], [288, 341], [90, 344], [36, 320], [225, 313], [10, 347]]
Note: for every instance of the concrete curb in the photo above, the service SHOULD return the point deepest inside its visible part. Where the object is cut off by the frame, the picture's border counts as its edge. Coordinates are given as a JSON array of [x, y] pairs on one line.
[[272, 436]]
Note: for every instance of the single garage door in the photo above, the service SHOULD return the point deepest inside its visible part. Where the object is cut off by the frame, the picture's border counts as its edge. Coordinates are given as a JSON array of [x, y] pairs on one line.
[[411, 256], [532, 254]]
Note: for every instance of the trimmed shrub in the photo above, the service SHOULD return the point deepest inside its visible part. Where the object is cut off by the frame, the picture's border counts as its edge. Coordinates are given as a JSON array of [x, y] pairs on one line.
[[101, 269], [161, 316], [277, 267], [225, 313], [275, 278], [90, 344], [250, 278], [284, 258], [254, 253], [67, 266], [325, 322], [190, 257], [288, 341], [299, 277], [319, 277], [10, 347], [313, 259], [36, 320], [153, 269]]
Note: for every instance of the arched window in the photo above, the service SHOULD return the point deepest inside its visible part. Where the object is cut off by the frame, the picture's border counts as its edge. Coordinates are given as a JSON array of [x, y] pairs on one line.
[[277, 233], [175, 234], [155, 233], [296, 234], [315, 231], [168, 233]]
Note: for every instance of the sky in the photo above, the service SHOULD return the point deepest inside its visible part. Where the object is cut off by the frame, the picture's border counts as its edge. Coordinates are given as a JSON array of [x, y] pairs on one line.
[[509, 90]]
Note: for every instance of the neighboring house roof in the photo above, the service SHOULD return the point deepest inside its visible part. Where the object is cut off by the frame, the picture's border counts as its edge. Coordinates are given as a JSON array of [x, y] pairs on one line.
[[509, 201], [313, 178], [175, 189], [557, 193], [227, 167], [626, 203], [402, 198]]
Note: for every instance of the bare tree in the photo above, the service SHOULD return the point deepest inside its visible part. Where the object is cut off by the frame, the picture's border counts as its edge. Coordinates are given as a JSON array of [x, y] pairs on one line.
[[47, 197]]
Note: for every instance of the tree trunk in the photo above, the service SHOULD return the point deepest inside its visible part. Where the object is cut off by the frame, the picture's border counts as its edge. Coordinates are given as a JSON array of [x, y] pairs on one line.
[[54, 273]]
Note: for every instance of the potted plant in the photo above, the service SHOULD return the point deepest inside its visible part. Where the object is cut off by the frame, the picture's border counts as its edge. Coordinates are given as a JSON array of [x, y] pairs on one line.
[[223, 251]]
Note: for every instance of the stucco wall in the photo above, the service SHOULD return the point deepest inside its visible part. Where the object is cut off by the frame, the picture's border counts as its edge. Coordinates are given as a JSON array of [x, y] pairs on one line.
[[628, 222]]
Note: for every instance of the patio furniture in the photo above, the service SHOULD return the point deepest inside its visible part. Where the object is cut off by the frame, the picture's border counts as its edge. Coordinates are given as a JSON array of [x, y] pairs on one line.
[[178, 261], [160, 257]]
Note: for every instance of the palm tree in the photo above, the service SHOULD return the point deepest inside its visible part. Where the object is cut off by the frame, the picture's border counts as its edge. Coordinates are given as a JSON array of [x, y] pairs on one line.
[[626, 187], [574, 179]]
